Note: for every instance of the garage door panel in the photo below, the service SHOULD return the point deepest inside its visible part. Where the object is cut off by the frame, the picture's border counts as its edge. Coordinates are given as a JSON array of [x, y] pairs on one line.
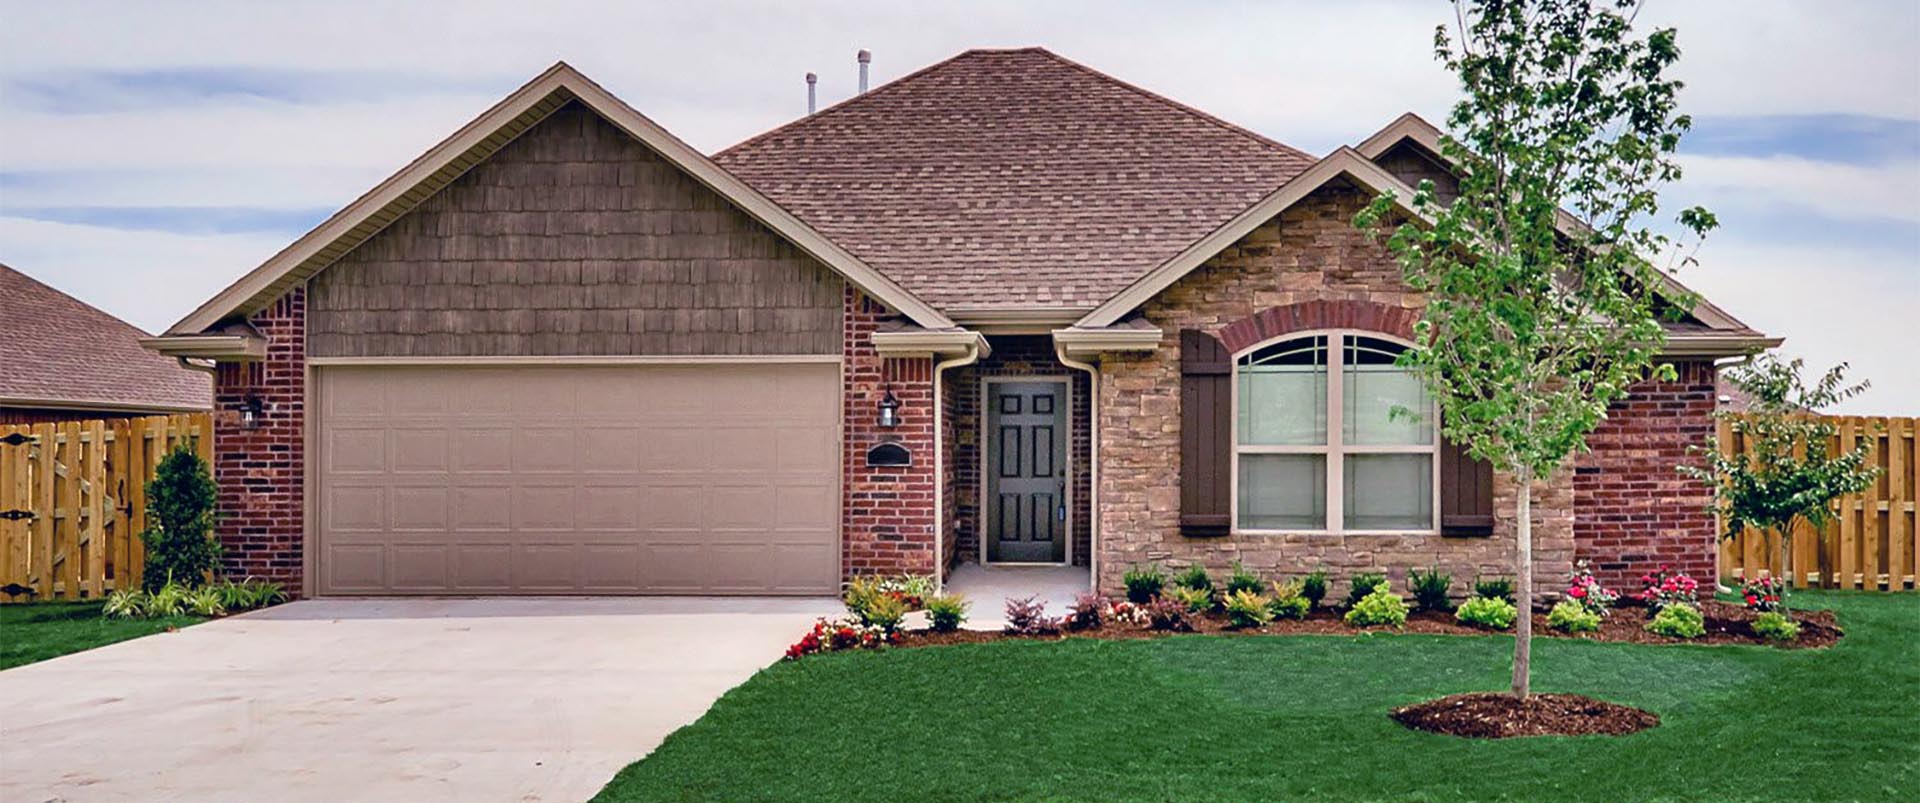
[[691, 479]]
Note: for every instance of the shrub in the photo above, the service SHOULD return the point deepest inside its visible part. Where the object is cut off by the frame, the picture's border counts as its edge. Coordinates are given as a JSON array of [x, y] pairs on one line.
[[1167, 614], [1088, 611], [1248, 609], [1194, 577], [179, 535], [1382, 607], [1667, 587], [1027, 616], [1363, 584], [885, 612], [1491, 613], [170, 599], [125, 604], [1197, 600], [206, 601], [1430, 589], [1314, 587], [1289, 601], [1494, 588], [1244, 579], [1572, 617], [1762, 594], [1678, 620], [1584, 589], [945, 612], [1775, 626], [860, 595], [1144, 583], [912, 589]]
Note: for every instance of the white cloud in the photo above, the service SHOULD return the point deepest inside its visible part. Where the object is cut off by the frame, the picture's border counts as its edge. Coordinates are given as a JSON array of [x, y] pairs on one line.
[[1839, 191], [149, 279], [1832, 306]]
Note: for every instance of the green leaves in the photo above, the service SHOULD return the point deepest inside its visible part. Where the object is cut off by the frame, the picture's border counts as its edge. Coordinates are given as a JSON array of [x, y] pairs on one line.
[[1537, 319]]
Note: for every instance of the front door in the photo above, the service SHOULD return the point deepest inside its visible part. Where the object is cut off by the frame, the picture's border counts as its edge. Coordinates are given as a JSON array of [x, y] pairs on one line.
[[1026, 470]]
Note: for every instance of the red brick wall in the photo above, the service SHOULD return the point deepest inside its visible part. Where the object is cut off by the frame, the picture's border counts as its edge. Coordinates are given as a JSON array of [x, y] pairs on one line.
[[1633, 510], [887, 512], [1014, 355], [260, 470]]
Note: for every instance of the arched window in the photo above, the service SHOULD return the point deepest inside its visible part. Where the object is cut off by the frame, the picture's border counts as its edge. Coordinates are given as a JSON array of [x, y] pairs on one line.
[[1317, 447]]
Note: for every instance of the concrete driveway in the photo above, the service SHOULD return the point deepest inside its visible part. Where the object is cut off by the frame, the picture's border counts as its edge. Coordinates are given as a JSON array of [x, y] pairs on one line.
[[383, 700]]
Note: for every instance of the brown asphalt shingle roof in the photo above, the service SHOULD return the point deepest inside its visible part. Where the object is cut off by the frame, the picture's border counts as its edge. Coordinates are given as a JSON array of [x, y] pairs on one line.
[[1013, 179], [54, 349]]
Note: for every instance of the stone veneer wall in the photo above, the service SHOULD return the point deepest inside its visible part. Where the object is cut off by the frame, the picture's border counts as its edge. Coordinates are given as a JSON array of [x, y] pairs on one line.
[[1633, 509], [1013, 356], [261, 502], [1309, 253], [886, 512]]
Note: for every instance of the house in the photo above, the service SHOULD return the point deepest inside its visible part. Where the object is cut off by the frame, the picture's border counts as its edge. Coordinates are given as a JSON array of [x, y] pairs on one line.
[[1005, 310], [62, 360]]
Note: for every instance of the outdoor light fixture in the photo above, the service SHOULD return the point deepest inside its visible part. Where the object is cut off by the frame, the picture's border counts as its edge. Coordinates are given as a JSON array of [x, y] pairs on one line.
[[250, 411], [889, 410]]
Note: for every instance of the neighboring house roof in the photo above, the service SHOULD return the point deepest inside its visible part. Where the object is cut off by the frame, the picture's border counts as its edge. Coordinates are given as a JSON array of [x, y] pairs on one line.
[[1013, 179], [58, 352], [472, 144]]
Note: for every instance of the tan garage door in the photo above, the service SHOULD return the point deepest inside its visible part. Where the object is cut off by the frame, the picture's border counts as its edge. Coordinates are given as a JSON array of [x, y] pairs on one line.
[[603, 479]]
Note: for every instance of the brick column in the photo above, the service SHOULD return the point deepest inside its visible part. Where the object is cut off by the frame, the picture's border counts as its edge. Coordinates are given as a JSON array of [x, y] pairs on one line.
[[260, 471], [1634, 509], [886, 511]]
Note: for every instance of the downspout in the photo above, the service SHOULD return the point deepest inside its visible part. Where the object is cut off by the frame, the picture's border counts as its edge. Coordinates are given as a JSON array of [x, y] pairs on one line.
[[1093, 459], [939, 462], [212, 369]]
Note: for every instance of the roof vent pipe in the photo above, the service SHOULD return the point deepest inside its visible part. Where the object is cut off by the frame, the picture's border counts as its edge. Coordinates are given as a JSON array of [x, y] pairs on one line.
[[866, 58], [811, 81]]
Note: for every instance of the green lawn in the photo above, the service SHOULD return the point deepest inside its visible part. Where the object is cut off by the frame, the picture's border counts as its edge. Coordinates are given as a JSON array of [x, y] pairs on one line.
[[38, 631], [1304, 717]]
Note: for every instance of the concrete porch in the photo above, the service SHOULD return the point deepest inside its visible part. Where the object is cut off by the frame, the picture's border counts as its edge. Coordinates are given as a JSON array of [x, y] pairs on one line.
[[989, 588]]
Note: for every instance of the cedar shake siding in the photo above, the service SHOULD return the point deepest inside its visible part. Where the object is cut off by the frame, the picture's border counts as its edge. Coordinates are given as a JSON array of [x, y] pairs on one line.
[[1309, 253], [1411, 164], [574, 239]]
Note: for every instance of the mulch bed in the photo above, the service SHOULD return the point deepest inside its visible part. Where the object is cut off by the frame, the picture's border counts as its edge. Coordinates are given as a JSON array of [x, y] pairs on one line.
[[1726, 623], [1494, 715]]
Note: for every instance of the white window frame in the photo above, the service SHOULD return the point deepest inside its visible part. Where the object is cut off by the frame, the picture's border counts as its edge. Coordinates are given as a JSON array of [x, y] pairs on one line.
[[1335, 449]]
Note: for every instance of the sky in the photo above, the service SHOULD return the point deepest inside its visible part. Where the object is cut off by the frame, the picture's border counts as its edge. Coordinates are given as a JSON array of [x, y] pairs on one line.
[[151, 153]]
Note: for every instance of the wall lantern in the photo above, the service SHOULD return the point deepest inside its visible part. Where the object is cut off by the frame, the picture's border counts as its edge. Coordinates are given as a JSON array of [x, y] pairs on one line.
[[251, 410], [889, 410]]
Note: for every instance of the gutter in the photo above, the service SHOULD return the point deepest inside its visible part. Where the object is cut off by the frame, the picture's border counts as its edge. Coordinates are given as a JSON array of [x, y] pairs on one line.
[[971, 356], [1093, 458]]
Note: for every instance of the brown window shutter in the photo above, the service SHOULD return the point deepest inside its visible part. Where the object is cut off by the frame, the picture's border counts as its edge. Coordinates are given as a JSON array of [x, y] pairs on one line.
[[1206, 434], [1466, 492]]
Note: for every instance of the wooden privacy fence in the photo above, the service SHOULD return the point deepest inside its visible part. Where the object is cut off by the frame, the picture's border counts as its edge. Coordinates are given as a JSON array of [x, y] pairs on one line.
[[1875, 541], [73, 501]]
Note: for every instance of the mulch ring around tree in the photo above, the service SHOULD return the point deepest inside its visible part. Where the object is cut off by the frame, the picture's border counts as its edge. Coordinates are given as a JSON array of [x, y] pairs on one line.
[[1497, 715], [1726, 623]]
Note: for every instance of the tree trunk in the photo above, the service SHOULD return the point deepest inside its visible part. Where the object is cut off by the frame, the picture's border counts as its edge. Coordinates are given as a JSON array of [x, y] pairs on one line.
[[1523, 586]]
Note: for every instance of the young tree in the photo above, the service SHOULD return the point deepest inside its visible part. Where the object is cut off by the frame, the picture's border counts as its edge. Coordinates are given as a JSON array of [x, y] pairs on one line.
[[1543, 301], [1789, 472], [179, 534]]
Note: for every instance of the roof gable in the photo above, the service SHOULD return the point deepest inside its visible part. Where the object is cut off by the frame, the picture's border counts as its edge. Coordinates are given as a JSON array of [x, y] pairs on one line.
[[57, 351], [1013, 179], [483, 137]]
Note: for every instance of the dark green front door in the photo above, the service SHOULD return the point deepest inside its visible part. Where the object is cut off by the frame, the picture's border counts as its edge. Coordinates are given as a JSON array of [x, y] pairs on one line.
[[1026, 470]]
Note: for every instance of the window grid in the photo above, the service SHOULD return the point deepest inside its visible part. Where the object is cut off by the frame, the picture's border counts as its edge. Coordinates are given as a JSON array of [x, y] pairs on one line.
[[1335, 447]]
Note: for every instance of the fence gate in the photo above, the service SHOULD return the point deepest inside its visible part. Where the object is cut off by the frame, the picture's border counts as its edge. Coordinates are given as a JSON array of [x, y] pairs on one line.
[[73, 501]]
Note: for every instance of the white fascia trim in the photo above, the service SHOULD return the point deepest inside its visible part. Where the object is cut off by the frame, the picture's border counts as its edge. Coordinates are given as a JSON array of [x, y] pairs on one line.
[[587, 359], [1077, 342], [100, 406], [1717, 345], [1343, 162], [258, 286], [211, 347], [920, 343]]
